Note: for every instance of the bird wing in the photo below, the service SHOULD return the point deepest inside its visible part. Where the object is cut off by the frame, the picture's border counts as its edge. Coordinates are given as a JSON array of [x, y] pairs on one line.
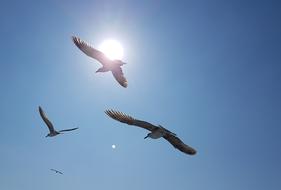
[[46, 120], [89, 50], [119, 116], [178, 144], [119, 76], [68, 129], [167, 131]]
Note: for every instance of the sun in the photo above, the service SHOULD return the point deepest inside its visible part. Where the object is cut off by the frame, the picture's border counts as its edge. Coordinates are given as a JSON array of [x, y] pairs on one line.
[[112, 49]]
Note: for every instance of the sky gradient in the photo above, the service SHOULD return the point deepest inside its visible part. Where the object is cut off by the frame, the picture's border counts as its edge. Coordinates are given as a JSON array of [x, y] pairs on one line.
[[209, 71]]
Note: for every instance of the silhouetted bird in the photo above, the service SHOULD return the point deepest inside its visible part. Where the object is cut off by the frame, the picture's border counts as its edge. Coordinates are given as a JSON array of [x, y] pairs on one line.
[[156, 131], [107, 65], [50, 126], [58, 172]]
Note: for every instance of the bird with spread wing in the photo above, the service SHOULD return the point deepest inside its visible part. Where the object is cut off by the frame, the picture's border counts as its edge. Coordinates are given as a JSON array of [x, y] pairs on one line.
[[52, 131], [156, 131], [56, 171], [107, 65]]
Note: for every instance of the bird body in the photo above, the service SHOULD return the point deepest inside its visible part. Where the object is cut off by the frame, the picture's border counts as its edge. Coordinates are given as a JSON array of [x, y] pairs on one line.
[[156, 131], [55, 133], [107, 65], [52, 131]]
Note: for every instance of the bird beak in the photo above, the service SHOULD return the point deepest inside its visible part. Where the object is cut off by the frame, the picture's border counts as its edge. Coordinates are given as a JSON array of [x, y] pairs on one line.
[[47, 136], [145, 137]]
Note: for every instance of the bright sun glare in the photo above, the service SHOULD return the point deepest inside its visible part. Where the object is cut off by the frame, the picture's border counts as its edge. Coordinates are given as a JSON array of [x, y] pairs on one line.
[[112, 49]]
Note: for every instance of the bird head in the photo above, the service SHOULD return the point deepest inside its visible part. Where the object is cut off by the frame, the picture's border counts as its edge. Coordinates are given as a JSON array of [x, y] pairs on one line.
[[47, 135], [99, 70], [146, 136]]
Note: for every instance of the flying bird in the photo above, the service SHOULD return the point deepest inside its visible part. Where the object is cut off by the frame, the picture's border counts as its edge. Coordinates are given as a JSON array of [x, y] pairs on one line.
[[58, 172], [50, 126], [107, 65], [156, 131]]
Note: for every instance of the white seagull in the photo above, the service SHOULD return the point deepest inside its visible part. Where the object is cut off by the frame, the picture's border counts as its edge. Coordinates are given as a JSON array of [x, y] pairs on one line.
[[50, 126], [156, 131], [107, 65]]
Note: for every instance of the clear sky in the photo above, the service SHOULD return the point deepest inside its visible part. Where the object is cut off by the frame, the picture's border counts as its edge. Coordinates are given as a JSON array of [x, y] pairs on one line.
[[207, 70]]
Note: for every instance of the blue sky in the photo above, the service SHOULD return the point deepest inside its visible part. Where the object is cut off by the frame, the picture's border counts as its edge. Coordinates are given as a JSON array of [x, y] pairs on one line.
[[207, 70]]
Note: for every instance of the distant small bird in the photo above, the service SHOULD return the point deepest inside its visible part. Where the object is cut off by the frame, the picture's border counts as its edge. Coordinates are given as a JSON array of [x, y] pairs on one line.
[[50, 126], [58, 172], [156, 131], [107, 65]]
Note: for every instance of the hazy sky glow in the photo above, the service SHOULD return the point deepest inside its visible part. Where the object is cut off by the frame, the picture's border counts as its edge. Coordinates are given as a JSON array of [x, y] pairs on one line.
[[207, 70]]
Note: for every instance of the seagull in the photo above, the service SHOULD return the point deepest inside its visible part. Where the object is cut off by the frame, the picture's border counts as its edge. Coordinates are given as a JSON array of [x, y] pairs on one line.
[[156, 131], [58, 172], [53, 132], [107, 65]]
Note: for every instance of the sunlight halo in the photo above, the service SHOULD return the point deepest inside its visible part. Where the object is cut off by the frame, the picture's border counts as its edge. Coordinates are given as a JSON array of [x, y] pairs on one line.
[[112, 49]]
